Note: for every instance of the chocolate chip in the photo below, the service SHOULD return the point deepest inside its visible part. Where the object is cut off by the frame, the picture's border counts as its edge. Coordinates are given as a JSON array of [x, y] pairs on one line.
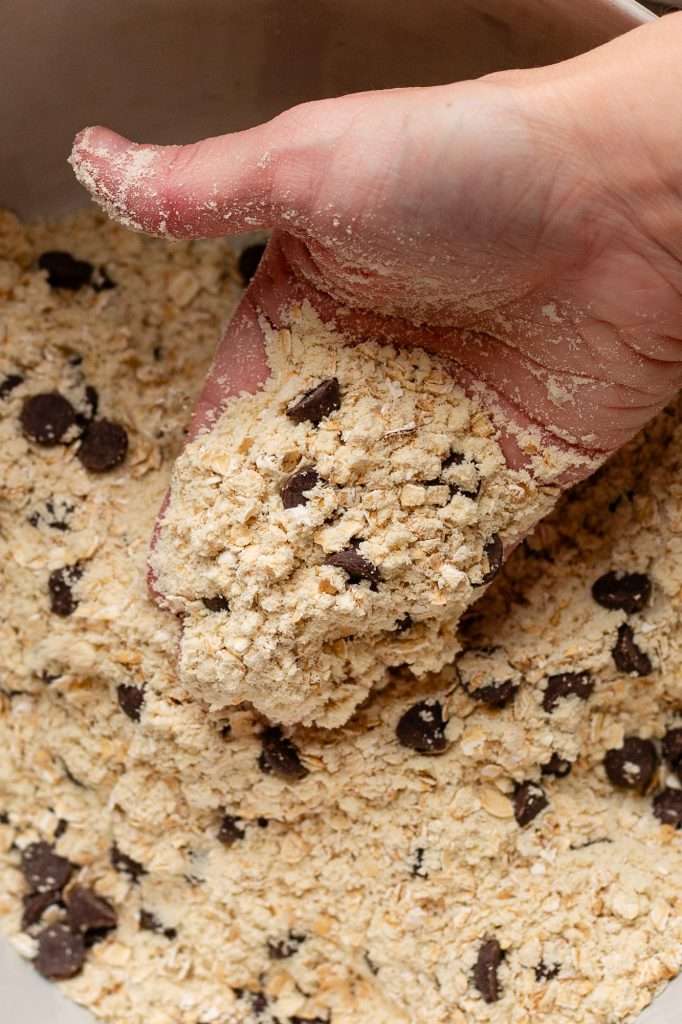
[[557, 766], [230, 830], [546, 972], [668, 807], [64, 271], [9, 383], [280, 756], [494, 553], [672, 748], [627, 655], [624, 591], [317, 403], [150, 923], [248, 261], [217, 603], [422, 728], [43, 869], [262, 822], [4, 818], [486, 978], [632, 766], [355, 565], [126, 865], [62, 826], [46, 418], [567, 684], [101, 281], [496, 694], [103, 447], [402, 625], [59, 585], [61, 954], [308, 1020], [35, 905], [529, 801], [130, 700], [85, 910], [294, 490], [282, 949], [417, 869]]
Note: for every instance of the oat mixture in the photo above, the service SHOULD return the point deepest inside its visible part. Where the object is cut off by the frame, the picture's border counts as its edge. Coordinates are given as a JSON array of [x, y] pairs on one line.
[[497, 842]]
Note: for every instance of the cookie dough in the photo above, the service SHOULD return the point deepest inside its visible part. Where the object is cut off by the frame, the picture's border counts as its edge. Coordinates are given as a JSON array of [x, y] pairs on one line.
[[335, 524], [463, 850]]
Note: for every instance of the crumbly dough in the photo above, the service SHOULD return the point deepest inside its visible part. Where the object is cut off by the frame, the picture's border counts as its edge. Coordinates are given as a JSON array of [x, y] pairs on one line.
[[405, 472], [343, 877]]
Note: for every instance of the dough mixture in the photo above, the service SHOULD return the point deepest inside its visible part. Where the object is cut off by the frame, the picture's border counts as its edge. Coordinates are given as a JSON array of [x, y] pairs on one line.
[[495, 842]]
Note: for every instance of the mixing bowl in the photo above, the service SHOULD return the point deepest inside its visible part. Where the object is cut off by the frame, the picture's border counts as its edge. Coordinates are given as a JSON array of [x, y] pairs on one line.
[[175, 70]]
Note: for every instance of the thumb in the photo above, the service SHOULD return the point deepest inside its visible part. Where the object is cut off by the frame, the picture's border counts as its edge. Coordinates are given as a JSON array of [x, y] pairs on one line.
[[259, 178]]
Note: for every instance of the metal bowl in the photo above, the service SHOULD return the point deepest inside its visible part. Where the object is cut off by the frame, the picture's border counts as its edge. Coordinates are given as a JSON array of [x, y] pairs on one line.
[[177, 70]]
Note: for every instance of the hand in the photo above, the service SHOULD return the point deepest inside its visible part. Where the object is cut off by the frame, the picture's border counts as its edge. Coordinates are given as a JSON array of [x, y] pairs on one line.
[[525, 224]]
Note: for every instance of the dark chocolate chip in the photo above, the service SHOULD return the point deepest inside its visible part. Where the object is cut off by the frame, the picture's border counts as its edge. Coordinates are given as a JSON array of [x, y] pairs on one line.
[[632, 766], [282, 949], [417, 869], [422, 728], [150, 923], [101, 281], [672, 748], [308, 1020], [4, 818], [627, 656], [496, 694], [557, 766], [355, 565], [43, 869], [230, 830], [217, 603], [248, 261], [61, 954], [9, 383], [103, 447], [75, 359], [529, 800], [125, 864], [85, 910], [668, 807], [402, 625], [130, 700], [294, 490], [35, 905], [371, 965], [226, 730], [46, 418], [317, 403], [262, 822], [494, 553], [62, 826], [59, 585], [624, 591], [157, 353], [567, 684], [486, 979], [259, 1003], [64, 271], [280, 756], [546, 972]]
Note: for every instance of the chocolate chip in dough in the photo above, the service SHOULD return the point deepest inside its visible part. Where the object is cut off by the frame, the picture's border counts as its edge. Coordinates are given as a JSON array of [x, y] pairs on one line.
[[125, 864], [35, 905], [529, 800], [402, 625], [295, 488], [61, 954], [64, 270], [248, 261], [282, 949], [417, 869], [280, 756], [546, 972], [9, 383], [486, 978], [622, 591], [567, 684], [86, 911], [422, 728], [308, 1020], [230, 831], [672, 749], [46, 418], [628, 657], [60, 588], [355, 565], [496, 694], [150, 923], [494, 555], [632, 766], [43, 869], [104, 446], [557, 766], [62, 826], [668, 807], [217, 603], [317, 403], [130, 700]]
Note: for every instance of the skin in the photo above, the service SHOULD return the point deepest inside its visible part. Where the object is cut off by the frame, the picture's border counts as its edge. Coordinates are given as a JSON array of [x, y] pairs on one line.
[[527, 224]]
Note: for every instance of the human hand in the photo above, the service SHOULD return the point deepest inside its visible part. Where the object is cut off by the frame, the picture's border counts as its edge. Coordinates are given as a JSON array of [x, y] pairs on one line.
[[524, 224]]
